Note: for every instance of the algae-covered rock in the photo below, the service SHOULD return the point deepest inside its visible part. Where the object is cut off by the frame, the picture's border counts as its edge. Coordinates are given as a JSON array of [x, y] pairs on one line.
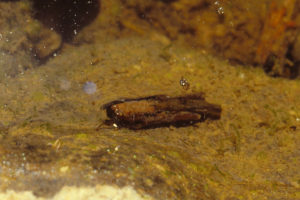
[[24, 41]]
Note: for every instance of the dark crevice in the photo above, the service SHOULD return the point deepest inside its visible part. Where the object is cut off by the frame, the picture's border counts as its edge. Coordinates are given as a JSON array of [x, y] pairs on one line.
[[270, 62], [67, 17], [168, 1], [294, 69], [290, 69], [201, 6]]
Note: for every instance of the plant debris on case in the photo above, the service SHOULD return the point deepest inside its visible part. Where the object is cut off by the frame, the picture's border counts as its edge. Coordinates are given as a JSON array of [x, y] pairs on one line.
[[160, 111]]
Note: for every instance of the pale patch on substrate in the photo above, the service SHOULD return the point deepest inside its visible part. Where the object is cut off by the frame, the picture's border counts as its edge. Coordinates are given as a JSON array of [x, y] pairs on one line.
[[100, 192]]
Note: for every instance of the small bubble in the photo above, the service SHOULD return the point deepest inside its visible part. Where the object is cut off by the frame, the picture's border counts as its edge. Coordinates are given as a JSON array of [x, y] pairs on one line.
[[184, 83], [220, 10]]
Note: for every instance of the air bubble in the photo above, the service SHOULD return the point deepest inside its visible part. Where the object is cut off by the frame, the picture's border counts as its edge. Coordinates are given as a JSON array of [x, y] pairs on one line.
[[220, 9]]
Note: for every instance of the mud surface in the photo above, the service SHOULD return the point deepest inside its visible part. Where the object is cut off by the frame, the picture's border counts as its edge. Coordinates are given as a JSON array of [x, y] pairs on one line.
[[52, 132]]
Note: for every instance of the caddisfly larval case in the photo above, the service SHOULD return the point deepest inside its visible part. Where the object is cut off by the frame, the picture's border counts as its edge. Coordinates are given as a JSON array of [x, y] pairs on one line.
[[160, 111]]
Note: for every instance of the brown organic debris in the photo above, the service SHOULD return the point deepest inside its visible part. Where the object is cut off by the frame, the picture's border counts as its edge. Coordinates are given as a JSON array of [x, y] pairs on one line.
[[160, 111]]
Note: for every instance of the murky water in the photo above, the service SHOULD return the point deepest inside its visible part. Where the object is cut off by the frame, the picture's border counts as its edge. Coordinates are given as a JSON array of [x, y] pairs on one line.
[[52, 131]]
